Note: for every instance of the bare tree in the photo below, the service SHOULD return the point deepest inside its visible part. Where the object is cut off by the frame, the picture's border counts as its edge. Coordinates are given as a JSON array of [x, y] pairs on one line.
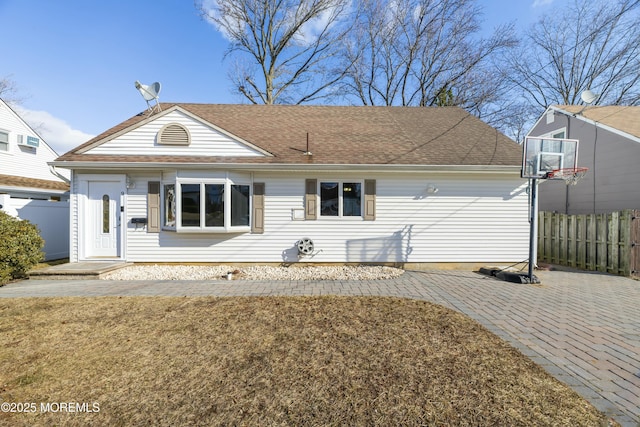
[[589, 45], [9, 91], [285, 47], [423, 52]]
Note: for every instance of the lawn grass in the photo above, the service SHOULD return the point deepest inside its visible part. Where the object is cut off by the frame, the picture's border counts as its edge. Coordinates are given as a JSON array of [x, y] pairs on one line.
[[321, 361]]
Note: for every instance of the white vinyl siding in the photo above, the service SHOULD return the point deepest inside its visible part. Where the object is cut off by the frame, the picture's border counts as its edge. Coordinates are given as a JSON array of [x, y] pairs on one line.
[[473, 218], [27, 162], [204, 140]]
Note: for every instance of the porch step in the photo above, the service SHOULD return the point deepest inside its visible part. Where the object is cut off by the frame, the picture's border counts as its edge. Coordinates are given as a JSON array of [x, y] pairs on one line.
[[77, 270]]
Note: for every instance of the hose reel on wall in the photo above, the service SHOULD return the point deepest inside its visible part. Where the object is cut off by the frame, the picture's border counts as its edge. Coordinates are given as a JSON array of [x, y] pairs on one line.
[[305, 246]]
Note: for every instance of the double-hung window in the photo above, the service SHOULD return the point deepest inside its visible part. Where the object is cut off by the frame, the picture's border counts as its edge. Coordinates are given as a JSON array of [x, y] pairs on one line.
[[4, 141], [206, 205], [340, 199], [349, 199]]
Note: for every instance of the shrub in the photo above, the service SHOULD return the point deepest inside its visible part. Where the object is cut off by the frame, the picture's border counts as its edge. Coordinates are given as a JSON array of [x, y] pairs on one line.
[[20, 247]]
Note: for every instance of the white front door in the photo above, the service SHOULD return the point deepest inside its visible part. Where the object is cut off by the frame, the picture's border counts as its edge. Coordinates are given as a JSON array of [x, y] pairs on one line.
[[103, 220]]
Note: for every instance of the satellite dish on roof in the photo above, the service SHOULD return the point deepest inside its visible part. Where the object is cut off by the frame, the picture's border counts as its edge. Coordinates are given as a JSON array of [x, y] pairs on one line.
[[588, 97], [149, 93]]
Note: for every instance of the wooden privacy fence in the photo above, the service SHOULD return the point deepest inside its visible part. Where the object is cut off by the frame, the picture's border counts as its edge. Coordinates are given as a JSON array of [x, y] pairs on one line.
[[608, 242]]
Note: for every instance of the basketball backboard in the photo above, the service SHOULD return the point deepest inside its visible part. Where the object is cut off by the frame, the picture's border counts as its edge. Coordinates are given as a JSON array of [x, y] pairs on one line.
[[542, 155]]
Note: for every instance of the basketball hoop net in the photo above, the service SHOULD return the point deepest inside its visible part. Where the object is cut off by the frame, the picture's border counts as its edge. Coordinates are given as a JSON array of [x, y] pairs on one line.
[[568, 175]]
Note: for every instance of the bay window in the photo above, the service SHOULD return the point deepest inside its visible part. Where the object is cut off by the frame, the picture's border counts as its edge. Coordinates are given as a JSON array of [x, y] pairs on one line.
[[239, 205], [206, 205]]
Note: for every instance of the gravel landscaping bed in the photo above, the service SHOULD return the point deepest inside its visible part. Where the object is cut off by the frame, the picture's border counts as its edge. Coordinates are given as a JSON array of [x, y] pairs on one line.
[[261, 272]]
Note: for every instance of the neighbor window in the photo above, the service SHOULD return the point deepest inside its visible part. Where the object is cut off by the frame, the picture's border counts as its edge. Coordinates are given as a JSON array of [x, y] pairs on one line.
[[340, 199], [206, 205], [4, 141], [560, 133]]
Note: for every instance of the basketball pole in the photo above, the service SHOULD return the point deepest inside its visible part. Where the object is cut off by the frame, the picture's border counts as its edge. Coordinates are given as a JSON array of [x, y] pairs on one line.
[[533, 226]]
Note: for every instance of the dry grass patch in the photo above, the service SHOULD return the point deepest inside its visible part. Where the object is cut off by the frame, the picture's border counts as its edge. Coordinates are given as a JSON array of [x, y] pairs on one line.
[[270, 361]]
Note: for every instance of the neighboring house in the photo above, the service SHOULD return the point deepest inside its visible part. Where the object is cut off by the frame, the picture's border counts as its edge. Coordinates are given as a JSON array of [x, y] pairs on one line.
[[281, 184], [29, 188], [609, 145]]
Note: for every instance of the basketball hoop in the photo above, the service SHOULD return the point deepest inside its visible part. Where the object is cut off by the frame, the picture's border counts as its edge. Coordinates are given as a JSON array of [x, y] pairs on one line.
[[568, 175]]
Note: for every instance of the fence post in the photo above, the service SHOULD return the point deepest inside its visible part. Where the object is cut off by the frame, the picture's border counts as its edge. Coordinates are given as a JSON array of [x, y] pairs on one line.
[[592, 220], [613, 260], [562, 239], [635, 243], [548, 236], [601, 242], [625, 249], [581, 241]]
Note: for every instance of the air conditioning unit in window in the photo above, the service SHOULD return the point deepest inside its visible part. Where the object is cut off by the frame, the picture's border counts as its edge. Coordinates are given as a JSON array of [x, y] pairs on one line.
[[28, 141]]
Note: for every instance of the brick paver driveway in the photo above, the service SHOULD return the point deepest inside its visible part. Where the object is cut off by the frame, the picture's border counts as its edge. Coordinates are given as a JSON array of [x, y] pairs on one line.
[[583, 328]]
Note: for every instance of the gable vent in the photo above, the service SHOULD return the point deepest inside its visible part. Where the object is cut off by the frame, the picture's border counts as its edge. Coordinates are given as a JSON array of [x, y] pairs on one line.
[[174, 134]]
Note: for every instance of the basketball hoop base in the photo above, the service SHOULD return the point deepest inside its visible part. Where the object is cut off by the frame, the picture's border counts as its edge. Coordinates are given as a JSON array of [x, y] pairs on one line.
[[570, 176]]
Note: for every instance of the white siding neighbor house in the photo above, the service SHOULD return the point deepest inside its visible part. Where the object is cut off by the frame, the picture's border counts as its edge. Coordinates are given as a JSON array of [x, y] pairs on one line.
[[609, 145], [29, 188], [283, 184]]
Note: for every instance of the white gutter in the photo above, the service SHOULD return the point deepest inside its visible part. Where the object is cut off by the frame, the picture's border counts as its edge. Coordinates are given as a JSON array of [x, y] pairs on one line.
[[289, 167], [53, 170], [14, 189]]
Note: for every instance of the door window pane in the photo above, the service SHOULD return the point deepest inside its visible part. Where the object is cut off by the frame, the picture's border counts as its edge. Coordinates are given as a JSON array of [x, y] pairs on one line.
[[190, 209], [106, 214]]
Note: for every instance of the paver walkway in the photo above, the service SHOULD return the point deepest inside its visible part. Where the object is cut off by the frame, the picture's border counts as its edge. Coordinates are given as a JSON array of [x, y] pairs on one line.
[[583, 328]]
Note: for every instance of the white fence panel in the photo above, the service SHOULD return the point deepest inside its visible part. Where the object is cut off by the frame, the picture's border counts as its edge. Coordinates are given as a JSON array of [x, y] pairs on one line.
[[51, 218]]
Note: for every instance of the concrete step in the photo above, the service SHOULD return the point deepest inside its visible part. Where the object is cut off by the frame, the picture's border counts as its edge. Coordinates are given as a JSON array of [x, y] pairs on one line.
[[77, 270]]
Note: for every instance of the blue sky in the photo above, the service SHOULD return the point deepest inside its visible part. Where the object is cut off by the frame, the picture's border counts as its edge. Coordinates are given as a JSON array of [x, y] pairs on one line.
[[75, 62]]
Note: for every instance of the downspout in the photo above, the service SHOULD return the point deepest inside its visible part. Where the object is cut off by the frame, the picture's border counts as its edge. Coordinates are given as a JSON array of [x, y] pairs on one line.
[[53, 170]]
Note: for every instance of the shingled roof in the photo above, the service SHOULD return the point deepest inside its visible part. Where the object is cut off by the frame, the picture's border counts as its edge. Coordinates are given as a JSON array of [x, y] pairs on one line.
[[23, 182], [337, 135], [624, 118]]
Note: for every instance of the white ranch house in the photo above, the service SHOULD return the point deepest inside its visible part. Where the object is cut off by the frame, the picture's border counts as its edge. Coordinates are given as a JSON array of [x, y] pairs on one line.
[[281, 184]]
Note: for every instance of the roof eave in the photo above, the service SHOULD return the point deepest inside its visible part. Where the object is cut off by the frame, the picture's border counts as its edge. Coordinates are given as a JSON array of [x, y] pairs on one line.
[[290, 167], [580, 116], [31, 190]]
